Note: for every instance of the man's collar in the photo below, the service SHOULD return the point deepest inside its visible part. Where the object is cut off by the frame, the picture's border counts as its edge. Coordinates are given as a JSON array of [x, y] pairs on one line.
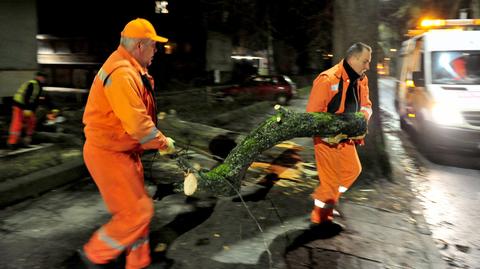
[[352, 75], [127, 55]]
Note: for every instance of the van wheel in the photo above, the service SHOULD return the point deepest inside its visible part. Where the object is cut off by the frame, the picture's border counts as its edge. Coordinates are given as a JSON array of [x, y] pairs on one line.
[[425, 139]]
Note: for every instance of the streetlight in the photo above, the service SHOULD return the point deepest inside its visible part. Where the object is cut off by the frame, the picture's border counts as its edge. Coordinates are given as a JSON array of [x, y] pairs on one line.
[[161, 7]]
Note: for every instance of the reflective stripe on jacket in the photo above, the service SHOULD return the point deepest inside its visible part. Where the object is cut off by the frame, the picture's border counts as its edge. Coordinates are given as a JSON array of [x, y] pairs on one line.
[[28, 94], [120, 111]]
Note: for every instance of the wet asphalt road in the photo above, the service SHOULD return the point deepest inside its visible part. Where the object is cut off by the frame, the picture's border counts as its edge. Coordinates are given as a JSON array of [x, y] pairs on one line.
[[449, 191]]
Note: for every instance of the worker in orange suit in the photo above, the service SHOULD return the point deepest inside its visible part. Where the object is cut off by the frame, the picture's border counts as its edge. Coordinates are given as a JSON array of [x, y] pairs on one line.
[[340, 89], [25, 102], [120, 123]]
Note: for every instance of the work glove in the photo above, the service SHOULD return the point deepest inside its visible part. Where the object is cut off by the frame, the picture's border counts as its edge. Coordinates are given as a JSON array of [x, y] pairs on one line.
[[335, 140], [53, 114], [170, 147], [27, 113]]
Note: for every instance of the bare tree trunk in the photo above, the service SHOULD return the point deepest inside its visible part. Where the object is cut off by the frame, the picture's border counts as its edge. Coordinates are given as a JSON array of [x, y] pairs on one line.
[[454, 10], [358, 21], [475, 8], [271, 60]]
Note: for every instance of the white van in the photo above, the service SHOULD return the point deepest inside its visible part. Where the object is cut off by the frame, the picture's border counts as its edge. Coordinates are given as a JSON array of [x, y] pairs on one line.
[[438, 93]]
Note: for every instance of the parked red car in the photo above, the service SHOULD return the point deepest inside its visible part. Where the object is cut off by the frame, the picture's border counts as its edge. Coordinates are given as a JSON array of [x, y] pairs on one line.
[[278, 88]]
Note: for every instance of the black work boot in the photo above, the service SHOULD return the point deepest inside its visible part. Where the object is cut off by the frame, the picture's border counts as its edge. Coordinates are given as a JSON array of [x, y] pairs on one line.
[[13, 147]]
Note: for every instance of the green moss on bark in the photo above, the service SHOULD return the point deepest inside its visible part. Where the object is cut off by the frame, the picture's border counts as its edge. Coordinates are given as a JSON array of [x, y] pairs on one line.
[[223, 179]]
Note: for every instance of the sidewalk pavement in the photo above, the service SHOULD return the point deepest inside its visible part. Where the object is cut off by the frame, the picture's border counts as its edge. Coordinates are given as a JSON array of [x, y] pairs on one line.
[[270, 228], [227, 236], [372, 239]]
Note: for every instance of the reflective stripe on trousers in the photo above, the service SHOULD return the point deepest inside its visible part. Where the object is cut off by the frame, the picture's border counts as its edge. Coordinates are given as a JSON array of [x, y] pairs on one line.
[[321, 204]]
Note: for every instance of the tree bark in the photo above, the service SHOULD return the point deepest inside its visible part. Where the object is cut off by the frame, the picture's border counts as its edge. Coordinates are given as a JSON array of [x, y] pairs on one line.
[[475, 7], [358, 21], [226, 178]]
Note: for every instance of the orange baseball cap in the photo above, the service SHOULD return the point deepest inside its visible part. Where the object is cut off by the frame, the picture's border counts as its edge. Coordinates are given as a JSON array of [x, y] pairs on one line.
[[141, 28]]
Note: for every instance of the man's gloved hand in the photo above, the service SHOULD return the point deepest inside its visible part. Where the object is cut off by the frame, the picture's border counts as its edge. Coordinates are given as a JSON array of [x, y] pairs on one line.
[[335, 140], [53, 114], [27, 113], [170, 147]]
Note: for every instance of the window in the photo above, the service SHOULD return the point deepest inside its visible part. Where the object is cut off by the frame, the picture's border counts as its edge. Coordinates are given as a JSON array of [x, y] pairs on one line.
[[456, 67]]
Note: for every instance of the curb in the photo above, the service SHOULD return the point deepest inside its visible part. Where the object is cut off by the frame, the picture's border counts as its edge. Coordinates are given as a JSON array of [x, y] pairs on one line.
[[31, 185], [420, 223]]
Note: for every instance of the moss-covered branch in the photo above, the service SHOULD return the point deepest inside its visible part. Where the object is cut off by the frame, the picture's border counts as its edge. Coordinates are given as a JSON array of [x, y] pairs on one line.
[[283, 126]]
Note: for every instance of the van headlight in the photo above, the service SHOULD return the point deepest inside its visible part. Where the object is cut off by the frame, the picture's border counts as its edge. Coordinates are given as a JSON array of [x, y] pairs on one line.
[[446, 114]]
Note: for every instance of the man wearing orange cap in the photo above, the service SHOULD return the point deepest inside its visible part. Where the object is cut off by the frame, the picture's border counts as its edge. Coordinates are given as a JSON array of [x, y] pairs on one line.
[[120, 123]]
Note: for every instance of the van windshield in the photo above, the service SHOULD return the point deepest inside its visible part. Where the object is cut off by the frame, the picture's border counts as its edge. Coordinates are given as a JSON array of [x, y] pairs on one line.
[[456, 67]]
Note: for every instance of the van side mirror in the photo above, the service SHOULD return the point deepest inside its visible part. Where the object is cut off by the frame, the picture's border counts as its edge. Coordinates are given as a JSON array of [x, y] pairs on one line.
[[418, 79]]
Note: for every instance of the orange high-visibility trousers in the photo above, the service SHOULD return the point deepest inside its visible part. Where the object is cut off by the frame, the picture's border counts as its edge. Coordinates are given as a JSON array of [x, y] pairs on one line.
[[119, 178], [19, 121], [338, 168]]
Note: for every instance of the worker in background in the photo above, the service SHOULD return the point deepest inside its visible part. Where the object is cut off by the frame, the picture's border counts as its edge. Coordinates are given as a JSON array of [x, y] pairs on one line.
[[459, 66], [340, 89], [120, 123], [25, 103]]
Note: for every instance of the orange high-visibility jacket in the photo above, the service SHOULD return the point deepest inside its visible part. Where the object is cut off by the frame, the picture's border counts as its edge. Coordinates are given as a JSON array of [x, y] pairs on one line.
[[120, 111], [325, 87]]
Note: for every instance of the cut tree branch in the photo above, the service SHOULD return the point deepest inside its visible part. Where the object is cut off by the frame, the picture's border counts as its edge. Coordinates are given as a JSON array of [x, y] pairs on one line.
[[225, 179]]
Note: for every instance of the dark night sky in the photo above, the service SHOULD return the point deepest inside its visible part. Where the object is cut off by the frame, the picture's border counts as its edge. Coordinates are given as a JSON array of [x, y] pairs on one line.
[[101, 21], [104, 18]]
